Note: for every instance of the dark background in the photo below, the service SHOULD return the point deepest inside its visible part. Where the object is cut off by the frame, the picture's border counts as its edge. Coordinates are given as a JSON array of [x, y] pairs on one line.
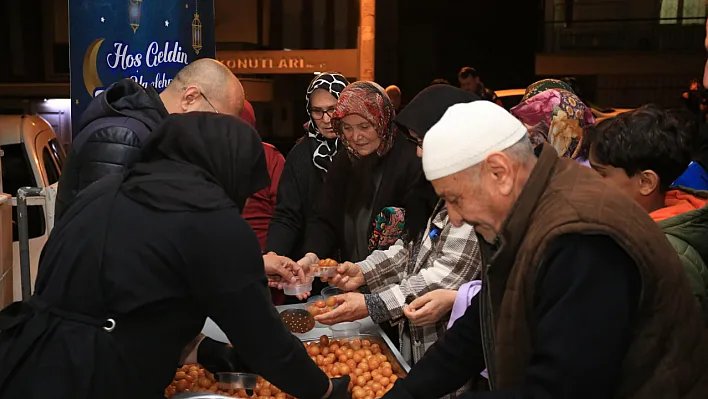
[[498, 38], [416, 42], [622, 52]]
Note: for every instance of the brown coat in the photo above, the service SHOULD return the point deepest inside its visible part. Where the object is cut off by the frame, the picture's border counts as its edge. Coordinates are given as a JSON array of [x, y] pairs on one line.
[[668, 355]]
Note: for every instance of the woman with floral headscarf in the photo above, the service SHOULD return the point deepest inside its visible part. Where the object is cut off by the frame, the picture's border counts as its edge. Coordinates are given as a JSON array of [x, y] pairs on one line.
[[305, 168], [371, 184], [554, 114]]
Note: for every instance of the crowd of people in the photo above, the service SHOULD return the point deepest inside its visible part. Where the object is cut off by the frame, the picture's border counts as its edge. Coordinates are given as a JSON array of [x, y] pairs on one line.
[[533, 253]]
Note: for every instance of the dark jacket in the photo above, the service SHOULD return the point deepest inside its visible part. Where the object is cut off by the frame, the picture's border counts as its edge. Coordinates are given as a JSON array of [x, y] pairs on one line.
[[356, 192], [111, 131], [298, 195], [145, 256], [684, 220]]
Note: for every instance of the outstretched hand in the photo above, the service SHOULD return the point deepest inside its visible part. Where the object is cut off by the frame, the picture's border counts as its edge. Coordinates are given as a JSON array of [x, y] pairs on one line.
[[349, 277], [281, 270]]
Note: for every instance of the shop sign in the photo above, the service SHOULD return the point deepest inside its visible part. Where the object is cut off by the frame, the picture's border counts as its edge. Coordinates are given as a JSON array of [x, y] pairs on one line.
[[297, 61], [147, 41]]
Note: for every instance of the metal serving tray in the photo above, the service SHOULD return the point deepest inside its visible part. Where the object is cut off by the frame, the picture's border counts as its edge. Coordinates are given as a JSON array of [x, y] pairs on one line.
[[398, 365]]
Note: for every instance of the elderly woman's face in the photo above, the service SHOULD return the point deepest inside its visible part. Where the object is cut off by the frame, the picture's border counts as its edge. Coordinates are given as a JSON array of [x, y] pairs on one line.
[[360, 134], [322, 105]]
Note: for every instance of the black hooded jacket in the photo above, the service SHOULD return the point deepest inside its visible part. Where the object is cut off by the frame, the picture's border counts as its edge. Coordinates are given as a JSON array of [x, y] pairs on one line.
[[156, 251], [111, 132]]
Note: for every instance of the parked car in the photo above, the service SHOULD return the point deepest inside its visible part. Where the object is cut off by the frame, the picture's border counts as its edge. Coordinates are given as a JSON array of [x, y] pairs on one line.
[[512, 97], [31, 157]]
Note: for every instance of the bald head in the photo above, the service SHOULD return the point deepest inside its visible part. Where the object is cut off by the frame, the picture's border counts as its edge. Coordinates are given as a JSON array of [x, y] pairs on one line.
[[394, 93], [204, 85]]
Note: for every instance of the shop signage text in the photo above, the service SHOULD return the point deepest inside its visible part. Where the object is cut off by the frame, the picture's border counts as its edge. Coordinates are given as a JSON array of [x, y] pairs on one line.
[[345, 61], [265, 63]]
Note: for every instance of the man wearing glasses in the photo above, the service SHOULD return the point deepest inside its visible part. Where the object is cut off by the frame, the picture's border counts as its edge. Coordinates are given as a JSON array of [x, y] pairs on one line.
[[117, 121]]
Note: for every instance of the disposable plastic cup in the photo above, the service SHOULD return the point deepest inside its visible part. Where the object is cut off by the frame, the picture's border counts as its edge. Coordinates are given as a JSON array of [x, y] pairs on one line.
[[345, 330], [331, 291], [298, 288]]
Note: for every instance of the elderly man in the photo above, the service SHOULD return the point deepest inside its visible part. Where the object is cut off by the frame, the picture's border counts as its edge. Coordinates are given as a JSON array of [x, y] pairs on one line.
[[116, 122], [583, 297]]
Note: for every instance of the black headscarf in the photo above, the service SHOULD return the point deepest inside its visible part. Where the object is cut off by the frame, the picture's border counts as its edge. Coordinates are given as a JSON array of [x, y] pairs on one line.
[[428, 107], [326, 149], [198, 161], [424, 111]]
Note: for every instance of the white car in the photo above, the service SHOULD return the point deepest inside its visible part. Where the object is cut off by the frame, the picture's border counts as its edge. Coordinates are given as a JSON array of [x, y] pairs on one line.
[[512, 97], [31, 157]]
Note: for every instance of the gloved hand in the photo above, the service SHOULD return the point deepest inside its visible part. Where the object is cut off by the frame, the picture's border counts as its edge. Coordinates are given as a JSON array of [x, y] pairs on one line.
[[219, 357], [340, 388], [398, 391]]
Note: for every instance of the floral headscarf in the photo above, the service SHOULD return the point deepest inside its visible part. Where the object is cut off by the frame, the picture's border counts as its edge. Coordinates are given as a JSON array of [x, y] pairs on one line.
[[334, 83], [387, 228], [546, 84], [555, 116], [368, 100]]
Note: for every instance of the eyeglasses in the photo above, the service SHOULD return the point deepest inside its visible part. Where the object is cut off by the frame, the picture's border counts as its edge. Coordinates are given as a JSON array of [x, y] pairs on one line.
[[208, 102], [320, 113], [418, 142], [184, 88]]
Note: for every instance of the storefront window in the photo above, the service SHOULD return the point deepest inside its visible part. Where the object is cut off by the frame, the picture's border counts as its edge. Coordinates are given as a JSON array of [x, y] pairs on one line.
[[685, 12]]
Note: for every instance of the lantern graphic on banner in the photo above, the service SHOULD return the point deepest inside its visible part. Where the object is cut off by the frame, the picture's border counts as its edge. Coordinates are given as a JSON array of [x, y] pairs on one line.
[[134, 13], [196, 29]]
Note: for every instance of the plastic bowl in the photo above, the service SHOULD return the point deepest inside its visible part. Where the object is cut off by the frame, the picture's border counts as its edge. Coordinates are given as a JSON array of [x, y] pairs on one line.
[[324, 271], [311, 300], [331, 291], [236, 380], [298, 288], [345, 330]]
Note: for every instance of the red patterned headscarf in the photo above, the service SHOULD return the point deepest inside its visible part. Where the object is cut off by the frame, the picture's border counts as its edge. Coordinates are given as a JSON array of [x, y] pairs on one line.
[[368, 100]]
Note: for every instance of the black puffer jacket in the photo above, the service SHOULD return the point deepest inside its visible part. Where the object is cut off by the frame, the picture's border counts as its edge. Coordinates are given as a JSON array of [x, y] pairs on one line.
[[111, 131]]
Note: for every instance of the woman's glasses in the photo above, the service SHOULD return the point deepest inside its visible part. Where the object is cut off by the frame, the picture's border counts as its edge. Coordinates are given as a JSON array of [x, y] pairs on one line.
[[320, 113]]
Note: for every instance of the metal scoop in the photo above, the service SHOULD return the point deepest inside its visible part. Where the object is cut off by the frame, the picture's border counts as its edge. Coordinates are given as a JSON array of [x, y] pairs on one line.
[[298, 321]]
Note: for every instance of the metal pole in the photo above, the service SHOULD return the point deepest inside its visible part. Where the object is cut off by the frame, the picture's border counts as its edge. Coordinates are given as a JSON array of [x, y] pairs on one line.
[[23, 232]]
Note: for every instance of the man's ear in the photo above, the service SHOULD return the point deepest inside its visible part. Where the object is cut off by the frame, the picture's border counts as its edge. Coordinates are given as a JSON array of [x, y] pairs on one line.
[[648, 182], [499, 167], [189, 96]]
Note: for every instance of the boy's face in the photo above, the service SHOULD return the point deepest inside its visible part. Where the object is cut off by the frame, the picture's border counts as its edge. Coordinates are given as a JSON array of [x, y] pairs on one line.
[[640, 187]]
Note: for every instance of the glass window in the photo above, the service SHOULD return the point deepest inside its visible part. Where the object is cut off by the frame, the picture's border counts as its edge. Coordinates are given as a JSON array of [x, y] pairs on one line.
[[693, 13], [59, 153], [17, 173], [50, 166]]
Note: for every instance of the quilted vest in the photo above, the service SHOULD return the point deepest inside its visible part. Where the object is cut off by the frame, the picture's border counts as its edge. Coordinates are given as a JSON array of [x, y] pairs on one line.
[[668, 354]]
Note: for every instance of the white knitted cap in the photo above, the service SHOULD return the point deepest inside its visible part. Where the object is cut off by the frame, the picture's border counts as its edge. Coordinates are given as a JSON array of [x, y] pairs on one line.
[[465, 135]]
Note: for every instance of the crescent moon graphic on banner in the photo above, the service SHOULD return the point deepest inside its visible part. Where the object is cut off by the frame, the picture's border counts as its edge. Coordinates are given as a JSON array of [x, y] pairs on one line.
[[91, 79]]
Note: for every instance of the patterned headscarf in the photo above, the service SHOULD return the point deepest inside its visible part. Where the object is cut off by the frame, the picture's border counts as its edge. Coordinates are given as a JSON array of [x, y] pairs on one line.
[[368, 100], [546, 84], [555, 116], [326, 149]]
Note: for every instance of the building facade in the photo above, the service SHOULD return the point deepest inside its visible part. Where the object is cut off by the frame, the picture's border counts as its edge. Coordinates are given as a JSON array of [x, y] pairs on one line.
[[625, 52]]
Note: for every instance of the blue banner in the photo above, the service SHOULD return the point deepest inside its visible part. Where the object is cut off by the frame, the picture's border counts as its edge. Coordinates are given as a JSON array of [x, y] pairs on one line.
[[146, 40]]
